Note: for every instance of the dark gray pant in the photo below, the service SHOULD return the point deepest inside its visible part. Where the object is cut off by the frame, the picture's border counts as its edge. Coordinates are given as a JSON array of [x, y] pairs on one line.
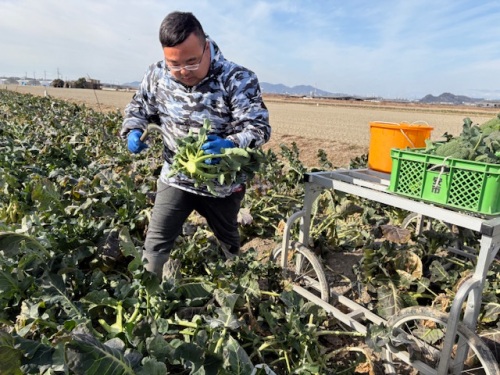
[[171, 209]]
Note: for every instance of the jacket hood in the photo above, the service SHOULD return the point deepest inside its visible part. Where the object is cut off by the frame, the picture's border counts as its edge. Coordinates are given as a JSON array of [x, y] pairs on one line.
[[216, 64], [216, 59]]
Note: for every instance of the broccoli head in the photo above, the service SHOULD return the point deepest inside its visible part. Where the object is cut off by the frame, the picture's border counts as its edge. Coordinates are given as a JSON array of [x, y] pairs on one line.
[[456, 148], [491, 126]]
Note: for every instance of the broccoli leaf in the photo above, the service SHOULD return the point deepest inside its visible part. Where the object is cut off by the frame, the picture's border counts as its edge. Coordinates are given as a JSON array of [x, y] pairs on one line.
[[86, 355], [478, 143]]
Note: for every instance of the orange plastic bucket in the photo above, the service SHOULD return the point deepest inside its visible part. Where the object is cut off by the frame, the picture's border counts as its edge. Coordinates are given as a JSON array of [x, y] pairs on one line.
[[387, 135]]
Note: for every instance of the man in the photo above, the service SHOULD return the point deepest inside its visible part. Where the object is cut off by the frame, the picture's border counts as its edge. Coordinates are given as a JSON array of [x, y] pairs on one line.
[[193, 83]]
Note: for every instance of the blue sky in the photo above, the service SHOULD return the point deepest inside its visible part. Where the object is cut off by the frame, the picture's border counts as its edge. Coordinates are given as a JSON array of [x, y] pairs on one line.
[[394, 49]]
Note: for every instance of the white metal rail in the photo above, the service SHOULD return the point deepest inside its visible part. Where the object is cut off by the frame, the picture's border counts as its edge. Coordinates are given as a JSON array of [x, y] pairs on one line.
[[373, 185]]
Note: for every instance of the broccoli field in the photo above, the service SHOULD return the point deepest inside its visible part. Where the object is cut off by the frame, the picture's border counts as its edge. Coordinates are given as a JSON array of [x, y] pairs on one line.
[[75, 298]]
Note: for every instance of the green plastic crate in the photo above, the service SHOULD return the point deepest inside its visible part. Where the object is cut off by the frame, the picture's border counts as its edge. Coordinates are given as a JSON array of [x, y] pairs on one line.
[[461, 184]]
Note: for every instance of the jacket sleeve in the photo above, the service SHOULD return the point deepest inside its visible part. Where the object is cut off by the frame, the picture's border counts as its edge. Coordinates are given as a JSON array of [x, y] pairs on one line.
[[250, 114], [142, 109]]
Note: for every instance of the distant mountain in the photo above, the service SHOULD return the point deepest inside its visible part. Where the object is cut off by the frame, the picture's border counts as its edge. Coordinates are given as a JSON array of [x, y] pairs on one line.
[[448, 98], [134, 84], [272, 88]]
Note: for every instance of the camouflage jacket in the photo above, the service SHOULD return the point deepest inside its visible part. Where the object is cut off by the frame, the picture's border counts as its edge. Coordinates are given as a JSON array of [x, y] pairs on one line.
[[229, 96]]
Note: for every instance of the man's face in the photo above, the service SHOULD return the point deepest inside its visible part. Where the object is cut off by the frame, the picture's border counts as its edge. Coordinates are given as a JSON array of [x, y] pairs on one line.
[[192, 53]]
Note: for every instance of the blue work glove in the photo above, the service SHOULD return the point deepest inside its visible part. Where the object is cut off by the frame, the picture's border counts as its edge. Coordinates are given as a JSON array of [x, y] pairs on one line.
[[135, 145], [214, 145]]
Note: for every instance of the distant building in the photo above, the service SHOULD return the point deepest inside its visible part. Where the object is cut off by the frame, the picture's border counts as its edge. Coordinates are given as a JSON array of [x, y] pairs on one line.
[[488, 103], [93, 84]]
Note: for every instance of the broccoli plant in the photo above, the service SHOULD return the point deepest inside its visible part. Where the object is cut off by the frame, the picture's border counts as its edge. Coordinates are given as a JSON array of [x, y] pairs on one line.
[[476, 142]]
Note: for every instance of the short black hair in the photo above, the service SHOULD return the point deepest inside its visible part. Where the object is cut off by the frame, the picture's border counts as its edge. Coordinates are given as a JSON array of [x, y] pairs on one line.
[[176, 27]]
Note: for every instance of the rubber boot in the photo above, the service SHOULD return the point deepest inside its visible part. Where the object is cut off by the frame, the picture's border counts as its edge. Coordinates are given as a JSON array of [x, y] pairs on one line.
[[230, 252], [154, 261]]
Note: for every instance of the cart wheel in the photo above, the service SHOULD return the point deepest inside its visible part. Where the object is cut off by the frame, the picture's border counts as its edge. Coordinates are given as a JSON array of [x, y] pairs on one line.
[[412, 222], [304, 269], [417, 334]]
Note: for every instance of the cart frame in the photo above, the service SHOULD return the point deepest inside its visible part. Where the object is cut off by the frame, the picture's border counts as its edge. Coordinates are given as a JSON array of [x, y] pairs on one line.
[[373, 185]]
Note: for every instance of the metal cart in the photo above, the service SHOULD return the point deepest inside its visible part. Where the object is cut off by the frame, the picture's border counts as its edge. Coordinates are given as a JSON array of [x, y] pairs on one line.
[[459, 341]]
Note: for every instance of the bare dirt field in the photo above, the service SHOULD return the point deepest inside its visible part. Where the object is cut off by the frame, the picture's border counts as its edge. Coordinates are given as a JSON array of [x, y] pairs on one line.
[[339, 127]]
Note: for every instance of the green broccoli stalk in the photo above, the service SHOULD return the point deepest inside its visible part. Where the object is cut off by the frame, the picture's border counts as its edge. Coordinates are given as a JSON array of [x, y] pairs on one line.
[[235, 164], [191, 160]]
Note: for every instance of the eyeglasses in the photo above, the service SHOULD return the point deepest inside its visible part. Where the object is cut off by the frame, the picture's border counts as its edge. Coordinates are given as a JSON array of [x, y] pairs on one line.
[[188, 67]]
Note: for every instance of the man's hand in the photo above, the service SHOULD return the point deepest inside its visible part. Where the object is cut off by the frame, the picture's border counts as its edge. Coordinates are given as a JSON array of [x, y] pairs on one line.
[[135, 145], [214, 145]]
